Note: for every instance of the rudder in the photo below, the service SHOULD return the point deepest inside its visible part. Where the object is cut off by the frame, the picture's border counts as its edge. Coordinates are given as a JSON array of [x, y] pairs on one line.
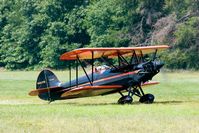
[[47, 79]]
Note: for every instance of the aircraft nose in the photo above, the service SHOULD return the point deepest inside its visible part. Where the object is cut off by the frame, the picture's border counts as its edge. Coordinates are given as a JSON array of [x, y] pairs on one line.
[[158, 64]]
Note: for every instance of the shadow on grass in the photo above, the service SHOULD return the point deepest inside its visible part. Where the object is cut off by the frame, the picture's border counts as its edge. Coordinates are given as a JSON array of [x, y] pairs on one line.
[[86, 104], [116, 104], [170, 102]]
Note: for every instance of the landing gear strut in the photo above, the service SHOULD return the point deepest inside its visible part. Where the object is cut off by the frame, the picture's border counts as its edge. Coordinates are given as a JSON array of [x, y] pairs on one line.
[[137, 90], [127, 99]]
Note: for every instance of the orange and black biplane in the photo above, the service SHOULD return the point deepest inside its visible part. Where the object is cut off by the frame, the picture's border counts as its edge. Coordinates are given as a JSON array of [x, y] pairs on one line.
[[124, 70]]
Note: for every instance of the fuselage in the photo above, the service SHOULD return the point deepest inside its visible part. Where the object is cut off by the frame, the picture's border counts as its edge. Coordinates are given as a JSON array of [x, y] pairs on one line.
[[126, 76]]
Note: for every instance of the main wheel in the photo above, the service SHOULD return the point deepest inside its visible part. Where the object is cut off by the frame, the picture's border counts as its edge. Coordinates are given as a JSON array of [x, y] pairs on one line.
[[148, 98], [125, 100]]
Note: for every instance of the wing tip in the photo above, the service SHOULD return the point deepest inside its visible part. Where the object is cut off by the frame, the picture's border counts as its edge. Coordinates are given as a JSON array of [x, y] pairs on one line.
[[150, 83]]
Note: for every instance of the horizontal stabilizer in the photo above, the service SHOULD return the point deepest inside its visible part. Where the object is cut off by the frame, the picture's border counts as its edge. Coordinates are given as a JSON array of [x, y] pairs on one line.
[[43, 90]]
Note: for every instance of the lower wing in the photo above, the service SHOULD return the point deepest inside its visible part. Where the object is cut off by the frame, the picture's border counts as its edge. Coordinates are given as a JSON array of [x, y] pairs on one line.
[[84, 91]]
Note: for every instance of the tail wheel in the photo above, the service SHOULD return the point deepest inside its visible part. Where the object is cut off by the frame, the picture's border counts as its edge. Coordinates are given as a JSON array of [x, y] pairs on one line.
[[125, 100], [147, 98]]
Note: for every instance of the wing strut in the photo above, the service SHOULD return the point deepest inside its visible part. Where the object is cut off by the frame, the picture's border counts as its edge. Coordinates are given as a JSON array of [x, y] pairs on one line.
[[92, 65], [76, 73], [134, 58], [70, 73], [122, 59], [141, 57], [84, 70], [103, 59], [155, 55]]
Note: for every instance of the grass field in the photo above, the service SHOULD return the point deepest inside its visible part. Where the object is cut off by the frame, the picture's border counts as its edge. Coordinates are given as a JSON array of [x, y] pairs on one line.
[[176, 108]]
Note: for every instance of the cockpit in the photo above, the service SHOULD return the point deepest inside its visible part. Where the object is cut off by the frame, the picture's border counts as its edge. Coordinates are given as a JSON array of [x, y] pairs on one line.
[[101, 69]]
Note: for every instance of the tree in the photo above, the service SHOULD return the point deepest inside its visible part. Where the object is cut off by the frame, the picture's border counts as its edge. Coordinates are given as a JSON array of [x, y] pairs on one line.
[[106, 23], [187, 41], [33, 34]]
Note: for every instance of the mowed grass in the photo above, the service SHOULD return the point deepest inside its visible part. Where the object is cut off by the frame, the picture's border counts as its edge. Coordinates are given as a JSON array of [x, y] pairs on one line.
[[176, 108]]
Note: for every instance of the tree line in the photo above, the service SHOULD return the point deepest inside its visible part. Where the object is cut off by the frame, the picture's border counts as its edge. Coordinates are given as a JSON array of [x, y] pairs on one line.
[[33, 34]]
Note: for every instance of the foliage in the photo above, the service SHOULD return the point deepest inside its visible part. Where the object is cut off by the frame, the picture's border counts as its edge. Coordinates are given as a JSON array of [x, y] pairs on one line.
[[33, 34], [106, 23]]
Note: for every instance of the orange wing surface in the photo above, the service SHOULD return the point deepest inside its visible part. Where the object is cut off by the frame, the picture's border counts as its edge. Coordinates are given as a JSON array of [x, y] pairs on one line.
[[84, 90], [150, 83], [95, 90], [36, 92], [89, 90], [88, 53]]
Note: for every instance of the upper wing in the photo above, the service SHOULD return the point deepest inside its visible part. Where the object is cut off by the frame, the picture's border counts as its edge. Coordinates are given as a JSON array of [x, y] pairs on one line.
[[89, 53]]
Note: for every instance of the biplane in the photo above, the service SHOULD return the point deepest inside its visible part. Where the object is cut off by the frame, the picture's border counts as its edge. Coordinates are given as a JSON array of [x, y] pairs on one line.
[[125, 69]]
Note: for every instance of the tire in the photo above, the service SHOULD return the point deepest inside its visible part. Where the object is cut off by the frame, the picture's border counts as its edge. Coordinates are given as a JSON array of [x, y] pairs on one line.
[[148, 98], [125, 100]]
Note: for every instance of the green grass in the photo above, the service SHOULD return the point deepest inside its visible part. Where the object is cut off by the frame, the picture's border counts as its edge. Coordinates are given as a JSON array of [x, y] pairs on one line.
[[176, 108]]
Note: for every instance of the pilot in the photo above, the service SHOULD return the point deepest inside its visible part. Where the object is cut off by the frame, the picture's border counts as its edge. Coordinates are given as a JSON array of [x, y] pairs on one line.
[[101, 69]]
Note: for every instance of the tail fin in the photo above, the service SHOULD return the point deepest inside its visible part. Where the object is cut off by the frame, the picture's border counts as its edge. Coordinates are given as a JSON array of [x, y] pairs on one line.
[[46, 79]]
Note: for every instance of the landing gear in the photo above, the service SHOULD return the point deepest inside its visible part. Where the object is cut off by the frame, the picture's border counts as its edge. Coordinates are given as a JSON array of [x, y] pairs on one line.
[[137, 90], [147, 98], [125, 100]]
